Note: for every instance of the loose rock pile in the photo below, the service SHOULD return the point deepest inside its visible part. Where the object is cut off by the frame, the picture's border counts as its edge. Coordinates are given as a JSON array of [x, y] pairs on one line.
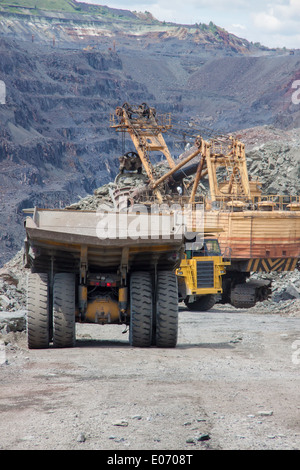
[[13, 280], [105, 194], [273, 156], [277, 166], [285, 297]]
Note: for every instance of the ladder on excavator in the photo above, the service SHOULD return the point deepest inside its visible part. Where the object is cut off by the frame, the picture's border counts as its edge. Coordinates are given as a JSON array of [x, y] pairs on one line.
[[145, 131]]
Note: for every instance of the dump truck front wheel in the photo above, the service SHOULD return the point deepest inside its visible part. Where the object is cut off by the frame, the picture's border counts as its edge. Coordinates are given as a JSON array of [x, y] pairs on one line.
[[140, 331], [202, 304], [64, 310], [37, 311]]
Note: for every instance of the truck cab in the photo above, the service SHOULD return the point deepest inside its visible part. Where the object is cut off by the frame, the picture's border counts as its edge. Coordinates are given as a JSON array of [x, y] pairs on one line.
[[200, 274]]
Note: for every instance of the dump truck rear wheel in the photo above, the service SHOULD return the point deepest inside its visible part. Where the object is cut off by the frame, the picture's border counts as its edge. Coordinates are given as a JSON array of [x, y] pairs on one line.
[[140, 331], [64, 310], [37, 311], [203, 303], [166, 324]]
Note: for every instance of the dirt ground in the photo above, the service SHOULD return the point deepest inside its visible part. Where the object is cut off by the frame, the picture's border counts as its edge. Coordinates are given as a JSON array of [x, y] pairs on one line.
[[231, 383]]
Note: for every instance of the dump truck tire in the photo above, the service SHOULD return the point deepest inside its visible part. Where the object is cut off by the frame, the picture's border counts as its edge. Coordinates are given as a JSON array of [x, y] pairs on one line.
[[203, 303], [64, 310], [37, 311], [166, 319], [140, 330]]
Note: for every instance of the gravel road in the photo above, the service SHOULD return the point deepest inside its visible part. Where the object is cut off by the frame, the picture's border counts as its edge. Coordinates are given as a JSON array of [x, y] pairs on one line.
[[231, 383]]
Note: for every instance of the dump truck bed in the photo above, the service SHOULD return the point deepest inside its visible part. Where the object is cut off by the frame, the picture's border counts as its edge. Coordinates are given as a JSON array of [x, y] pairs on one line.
[[60, 236]]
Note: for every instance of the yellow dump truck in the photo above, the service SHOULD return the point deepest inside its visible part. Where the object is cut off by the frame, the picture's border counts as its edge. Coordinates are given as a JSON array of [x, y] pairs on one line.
[[84, 268], [200, 275]]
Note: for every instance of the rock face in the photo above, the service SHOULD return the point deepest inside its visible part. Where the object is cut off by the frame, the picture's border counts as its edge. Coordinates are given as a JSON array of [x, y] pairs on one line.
[[55, 141], [285, 297]]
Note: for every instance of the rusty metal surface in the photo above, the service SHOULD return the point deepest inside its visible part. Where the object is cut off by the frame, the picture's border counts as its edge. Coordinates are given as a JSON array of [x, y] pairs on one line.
[[257, 234]]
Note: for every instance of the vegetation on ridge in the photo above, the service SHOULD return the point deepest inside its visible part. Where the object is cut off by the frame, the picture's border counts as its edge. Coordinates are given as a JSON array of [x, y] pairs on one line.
[[64, 6]]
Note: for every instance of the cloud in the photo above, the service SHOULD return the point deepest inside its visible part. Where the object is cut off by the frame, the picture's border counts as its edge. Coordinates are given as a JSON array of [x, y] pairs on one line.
[[280, 22], [239, 26], [289, 11], [267, 21]]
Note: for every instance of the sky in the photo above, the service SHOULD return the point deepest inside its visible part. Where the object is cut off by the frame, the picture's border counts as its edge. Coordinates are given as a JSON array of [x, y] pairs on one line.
[[273, 24]]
